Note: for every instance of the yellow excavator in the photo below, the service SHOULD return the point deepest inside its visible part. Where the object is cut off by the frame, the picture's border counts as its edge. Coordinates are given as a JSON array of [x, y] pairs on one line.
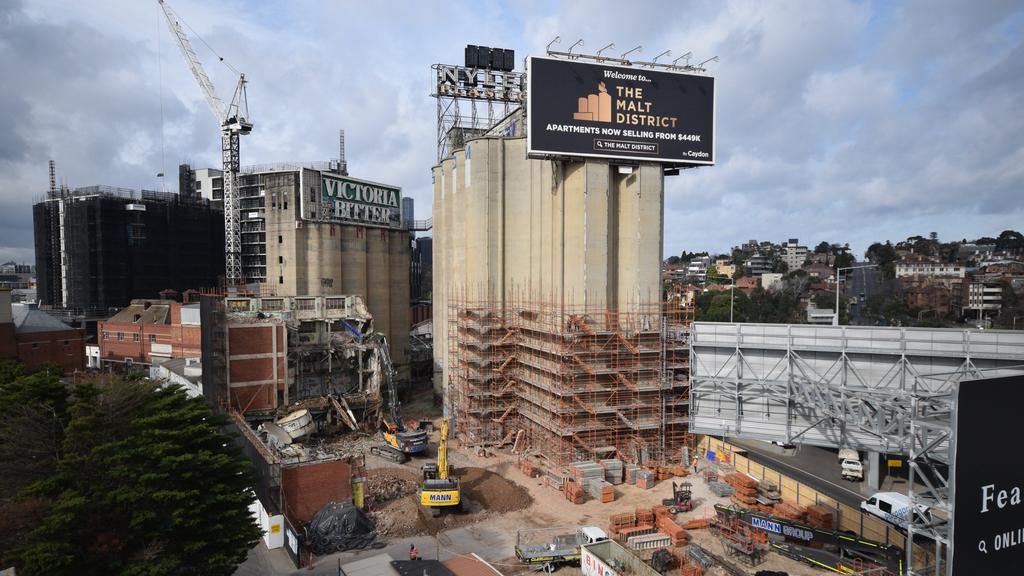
[[440, 488]]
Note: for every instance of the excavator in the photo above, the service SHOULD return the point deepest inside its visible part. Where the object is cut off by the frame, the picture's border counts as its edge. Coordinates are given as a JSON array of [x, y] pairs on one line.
[[440, 489], [400, 441]]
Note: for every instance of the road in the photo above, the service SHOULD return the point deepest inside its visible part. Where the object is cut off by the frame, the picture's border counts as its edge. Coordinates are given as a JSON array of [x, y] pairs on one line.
[[815, 467], [860, 281]]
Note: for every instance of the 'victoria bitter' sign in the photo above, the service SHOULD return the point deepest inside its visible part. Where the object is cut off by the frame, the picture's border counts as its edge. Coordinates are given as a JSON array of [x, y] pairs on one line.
[[347, 200], [591, 109]]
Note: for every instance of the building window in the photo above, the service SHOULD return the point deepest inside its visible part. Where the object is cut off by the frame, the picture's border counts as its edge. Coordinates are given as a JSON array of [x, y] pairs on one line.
[[135, 337], [106, 335], [280, 239], [280, 279], [280, 259], [120, 336], [199, 184], [152, 338]]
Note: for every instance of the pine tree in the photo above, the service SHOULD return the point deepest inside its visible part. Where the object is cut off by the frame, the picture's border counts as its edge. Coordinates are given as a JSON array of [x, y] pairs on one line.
[[148, 483]]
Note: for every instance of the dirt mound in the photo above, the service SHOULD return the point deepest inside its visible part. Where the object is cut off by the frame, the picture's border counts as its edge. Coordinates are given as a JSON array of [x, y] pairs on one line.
[[386, 484], [492, 491]]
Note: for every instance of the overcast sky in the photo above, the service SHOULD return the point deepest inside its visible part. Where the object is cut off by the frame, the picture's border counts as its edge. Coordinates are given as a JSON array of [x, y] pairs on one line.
[[839, 121]]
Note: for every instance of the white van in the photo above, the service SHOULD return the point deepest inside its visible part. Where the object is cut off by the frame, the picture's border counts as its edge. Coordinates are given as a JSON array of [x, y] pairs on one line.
[[894, 508]]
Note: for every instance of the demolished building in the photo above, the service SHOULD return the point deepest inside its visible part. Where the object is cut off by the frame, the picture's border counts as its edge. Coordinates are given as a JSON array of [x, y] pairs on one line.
[[298, 376]]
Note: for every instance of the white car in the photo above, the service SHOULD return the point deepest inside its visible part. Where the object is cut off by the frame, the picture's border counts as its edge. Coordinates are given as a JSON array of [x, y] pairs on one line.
[[852, 469]]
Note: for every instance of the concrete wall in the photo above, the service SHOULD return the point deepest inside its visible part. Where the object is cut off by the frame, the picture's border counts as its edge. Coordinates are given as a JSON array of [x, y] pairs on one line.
[[573, 233], [306, 258]]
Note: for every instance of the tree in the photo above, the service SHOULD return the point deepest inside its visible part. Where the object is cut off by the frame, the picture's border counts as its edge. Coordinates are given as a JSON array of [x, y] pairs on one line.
[[673, 260], [823, 248], [1010, 240], [885, 256], [146, 482]]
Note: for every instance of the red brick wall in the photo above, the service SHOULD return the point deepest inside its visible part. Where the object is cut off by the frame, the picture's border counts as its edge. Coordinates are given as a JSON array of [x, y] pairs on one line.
[[245, 342], [65, 348], [305, 489], [185, 341], [256, 397], [8, 342]]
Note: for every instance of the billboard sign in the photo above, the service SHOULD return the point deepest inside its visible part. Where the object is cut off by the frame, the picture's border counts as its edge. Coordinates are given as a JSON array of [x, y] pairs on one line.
[[988, 513], [347, 200], [598, 110]]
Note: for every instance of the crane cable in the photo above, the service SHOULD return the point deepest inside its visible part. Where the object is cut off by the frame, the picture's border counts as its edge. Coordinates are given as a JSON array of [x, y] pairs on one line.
[[160, 76], [208, 47]]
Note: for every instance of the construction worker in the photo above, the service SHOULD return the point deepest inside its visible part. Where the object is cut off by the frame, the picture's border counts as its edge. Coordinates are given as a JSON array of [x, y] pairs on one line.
[[414, 554], [694, 463]]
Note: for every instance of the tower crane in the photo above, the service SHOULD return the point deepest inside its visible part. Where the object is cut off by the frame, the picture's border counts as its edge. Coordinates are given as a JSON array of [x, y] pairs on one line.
[[234, 122]]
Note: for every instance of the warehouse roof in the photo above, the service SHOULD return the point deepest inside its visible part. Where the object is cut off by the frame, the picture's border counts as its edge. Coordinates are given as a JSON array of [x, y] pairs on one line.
[[29, 319]]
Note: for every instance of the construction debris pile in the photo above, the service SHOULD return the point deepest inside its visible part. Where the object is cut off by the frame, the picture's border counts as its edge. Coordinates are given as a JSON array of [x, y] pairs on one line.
[[387, 484], [339, 527]]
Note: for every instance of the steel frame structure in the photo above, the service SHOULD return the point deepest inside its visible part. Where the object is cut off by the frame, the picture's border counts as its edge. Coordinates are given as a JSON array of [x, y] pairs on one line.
[[476, 114], [886, 390]]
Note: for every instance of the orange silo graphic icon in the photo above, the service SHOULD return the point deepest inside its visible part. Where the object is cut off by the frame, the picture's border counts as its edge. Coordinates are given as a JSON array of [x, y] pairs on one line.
[[595, 107]]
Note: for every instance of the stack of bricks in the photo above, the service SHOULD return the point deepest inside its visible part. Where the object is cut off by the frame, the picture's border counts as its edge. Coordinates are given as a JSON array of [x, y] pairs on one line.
[[645, 479], [527, 467], [745, 489], [821, 516], [679, 471], [574, 492], [668, 526], [790, 511], [631, 472], [613, 469], [697, 523], [690, 568]]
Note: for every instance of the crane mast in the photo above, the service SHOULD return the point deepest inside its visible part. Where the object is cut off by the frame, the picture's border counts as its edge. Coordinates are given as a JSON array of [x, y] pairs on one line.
[[233, 120]]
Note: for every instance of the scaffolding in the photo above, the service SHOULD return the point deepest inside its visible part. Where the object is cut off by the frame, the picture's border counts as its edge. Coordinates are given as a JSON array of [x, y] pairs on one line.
[[583, 383]]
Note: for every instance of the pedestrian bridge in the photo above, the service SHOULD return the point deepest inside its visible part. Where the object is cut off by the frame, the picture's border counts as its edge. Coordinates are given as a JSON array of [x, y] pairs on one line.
[[832, 386]]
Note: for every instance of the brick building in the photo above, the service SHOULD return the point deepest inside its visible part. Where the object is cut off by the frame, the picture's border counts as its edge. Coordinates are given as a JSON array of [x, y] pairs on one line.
[[36, 339], [150, 331]]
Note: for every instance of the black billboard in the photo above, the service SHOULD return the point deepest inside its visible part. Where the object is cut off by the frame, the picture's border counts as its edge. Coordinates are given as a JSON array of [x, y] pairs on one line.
[[988, 477], [590, 109]]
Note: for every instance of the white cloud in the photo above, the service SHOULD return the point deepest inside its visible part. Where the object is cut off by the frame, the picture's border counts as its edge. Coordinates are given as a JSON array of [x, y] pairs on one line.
[[840, 121]]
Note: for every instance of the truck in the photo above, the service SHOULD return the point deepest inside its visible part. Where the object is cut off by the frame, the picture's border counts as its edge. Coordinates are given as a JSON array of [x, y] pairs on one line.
[[612, 559], [548, 549]]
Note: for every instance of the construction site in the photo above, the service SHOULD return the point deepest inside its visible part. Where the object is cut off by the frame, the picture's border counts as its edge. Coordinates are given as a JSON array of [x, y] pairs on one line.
[[561, 367]]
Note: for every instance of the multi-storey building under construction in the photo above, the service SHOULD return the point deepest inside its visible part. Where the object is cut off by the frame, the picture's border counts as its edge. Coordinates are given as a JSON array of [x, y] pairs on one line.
[[548, 308]]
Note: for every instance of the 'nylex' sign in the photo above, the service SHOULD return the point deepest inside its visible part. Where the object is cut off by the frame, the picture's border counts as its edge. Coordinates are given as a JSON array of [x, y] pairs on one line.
[[480, 83], [358, 201]]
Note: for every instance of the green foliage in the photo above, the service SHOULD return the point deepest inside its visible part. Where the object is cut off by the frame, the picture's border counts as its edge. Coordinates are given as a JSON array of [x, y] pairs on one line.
[[885, 256], [146, 481], [761, 306], [823, 248], [1010, 240], [673, 260], [887, 310]]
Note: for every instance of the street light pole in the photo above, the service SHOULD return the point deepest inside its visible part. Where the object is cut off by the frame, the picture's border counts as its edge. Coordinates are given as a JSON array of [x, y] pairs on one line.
[[835, 316]]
